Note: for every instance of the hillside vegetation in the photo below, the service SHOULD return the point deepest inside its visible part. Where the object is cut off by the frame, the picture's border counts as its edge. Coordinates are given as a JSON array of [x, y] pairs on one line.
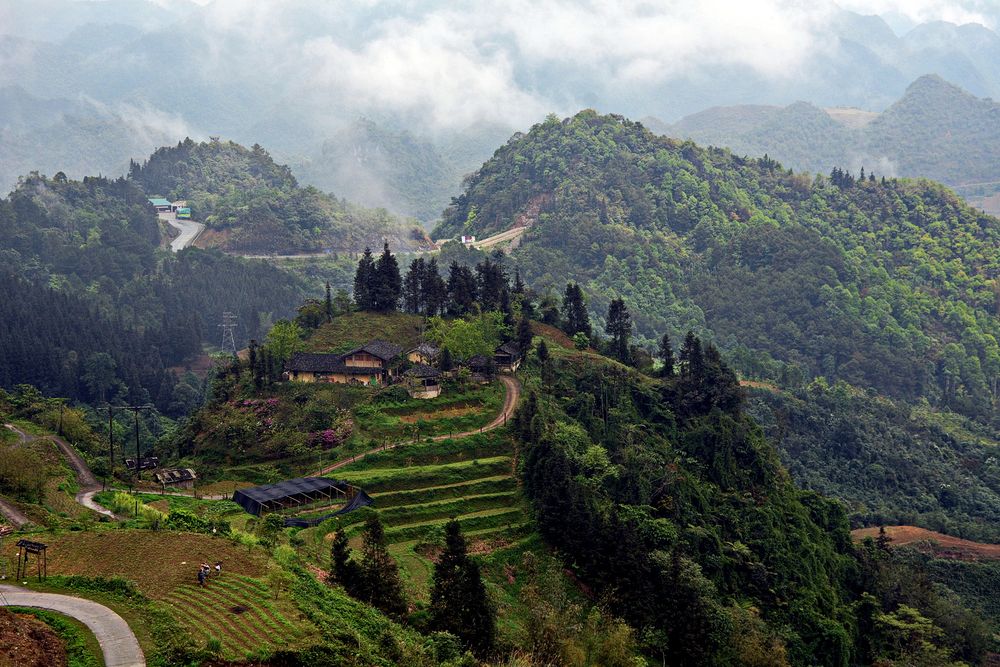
[[253, 205], [80, 270], [889, 284], [935, 130]]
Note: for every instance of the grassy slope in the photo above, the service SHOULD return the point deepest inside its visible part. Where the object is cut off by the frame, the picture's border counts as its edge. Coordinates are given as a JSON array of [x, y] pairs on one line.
[[356, 329], [169, 562]]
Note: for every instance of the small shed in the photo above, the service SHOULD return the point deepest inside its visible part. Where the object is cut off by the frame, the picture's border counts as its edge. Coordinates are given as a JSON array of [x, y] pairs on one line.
[[180, 477], [423, 381], [160, 204]]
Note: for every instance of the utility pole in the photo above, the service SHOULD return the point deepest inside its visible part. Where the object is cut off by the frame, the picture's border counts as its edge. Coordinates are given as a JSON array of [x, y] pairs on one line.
[[111, 436], [135, 411], [228, 326]]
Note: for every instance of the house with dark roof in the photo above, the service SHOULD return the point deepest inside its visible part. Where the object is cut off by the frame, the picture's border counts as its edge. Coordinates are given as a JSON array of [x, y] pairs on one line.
[[371, 364], [423, 381], [425, 353], [508, 357], [179, 477]]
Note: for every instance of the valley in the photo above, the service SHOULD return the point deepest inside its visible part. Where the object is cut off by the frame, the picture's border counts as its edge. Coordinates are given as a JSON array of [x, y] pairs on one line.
[[508, 335]]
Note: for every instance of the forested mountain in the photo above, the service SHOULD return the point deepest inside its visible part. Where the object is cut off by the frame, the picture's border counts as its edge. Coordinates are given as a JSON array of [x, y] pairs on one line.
[[664, 498], [889, 284], [935, 130], [251, 204], [86, 289]]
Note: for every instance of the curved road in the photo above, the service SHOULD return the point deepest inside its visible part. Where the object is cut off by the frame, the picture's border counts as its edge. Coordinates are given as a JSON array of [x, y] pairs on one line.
[[510, 401], [84, 477], [189, 230], [118, 642]]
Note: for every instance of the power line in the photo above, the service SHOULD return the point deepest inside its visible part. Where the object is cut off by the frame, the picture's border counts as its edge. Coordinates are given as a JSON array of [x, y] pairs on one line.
[[228, 326]]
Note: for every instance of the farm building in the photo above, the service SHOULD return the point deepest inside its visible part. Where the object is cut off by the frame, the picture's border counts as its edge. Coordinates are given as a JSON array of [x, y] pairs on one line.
[[507, 357], [292, 493], [422, 381], [425, 353], [370, 364], [160, 204], [179, 477]]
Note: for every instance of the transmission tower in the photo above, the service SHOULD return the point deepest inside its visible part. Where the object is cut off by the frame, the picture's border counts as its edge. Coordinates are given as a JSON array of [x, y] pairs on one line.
[[228, 326]]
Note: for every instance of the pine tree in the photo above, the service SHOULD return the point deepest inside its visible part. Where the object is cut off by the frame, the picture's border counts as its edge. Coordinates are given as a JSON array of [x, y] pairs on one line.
[[387, 285], [462, 290], [619, 327], [692, 362], [459, 603], [364, 279], [575, 316], [328, 305], [380, 583], [343, 570], [433, 290], [524, 335], [492, 283], [667, 357], [446, 361], [413, 286]]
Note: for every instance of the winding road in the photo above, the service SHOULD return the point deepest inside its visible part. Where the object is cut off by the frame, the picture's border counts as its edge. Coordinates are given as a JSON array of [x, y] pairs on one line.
[[117, 641], [510, 401], [84, 477], [189, 230]]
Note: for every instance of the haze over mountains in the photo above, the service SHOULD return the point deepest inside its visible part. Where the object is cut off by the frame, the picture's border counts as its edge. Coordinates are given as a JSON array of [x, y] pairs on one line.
[[407, 99], [936, 130]]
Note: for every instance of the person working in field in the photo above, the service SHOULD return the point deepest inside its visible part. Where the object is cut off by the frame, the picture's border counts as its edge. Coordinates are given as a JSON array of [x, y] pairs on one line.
[[218, 568], [201, 577]]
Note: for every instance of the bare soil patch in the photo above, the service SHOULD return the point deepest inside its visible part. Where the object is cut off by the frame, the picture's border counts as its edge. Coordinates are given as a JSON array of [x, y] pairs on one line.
[[939, 544], [25, 641], [443, 413]]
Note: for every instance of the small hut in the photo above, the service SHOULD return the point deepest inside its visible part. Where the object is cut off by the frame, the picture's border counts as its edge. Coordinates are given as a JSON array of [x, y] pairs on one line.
[[423, 381]]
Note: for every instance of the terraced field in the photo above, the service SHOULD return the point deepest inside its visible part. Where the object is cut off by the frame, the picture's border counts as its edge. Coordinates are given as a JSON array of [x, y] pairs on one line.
[[418, 488], [238, 611], [239, 607]]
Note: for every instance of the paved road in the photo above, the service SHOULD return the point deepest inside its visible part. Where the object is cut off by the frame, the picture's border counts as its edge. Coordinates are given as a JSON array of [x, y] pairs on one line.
[[510, 401], [118, 642], [189, 230]]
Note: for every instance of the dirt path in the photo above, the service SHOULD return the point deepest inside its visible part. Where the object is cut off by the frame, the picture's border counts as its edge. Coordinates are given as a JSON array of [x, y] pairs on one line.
[[84, 477], [511, 398], [944, 546], [16, 517], [118, 642]]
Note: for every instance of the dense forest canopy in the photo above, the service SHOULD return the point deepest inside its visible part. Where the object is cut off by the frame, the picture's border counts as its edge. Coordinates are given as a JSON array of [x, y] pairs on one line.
[[81, 272], [252, 204], [890, 284], [666, 499]]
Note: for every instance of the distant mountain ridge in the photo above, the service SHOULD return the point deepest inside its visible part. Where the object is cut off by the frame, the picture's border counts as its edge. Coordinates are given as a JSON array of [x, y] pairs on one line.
[[936, 130], [269, 77]]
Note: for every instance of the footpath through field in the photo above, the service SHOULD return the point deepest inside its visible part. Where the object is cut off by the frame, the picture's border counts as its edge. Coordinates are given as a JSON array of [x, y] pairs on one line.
[[118, 642], [84, 477], [510, 401]]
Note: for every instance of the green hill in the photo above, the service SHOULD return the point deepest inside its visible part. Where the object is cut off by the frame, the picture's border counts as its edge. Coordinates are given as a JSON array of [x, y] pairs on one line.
[[253, 205], [885, 284], [935, 130]]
